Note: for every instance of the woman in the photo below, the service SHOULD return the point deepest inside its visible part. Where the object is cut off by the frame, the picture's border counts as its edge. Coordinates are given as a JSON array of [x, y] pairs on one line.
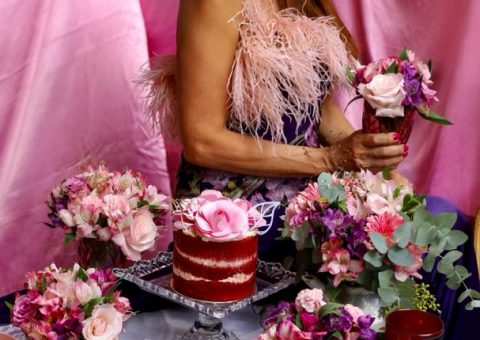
[[253, 84]]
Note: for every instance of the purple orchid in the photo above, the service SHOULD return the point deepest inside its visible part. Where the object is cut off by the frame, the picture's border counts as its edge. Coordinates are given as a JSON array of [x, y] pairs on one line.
[[341, 323], [364, 323], [336, 221]]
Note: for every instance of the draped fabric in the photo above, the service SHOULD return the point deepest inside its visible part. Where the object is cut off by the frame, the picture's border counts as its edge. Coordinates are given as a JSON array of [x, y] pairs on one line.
[[443, 160], [68, 98]]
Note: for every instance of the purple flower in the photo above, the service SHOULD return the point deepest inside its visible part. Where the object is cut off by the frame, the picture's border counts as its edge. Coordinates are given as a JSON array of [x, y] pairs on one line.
[[311, 136], [409, 71], [413, 95], [356, 239], [217, 179], [68, 329], [75, 183], [364, 323], [336, 221], [284, 310], [279, 189], [342, 323]]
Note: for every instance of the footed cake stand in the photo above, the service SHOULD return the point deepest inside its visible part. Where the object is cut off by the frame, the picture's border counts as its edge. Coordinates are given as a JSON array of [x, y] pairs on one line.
[[154, 276]]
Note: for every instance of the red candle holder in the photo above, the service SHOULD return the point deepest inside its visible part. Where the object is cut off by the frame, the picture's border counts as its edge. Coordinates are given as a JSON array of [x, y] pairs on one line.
[[412, 324]]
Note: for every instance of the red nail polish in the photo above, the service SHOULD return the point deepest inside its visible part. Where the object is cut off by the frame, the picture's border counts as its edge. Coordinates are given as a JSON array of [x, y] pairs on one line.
[[396, 136], [405, 148], [405, 154]]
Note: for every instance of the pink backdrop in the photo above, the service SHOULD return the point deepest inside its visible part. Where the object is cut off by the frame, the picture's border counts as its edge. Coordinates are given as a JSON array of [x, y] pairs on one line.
[[67, 98]]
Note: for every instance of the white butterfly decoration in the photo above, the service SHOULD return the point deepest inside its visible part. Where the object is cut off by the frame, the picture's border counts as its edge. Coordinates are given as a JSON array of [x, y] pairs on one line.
[[267, 211]]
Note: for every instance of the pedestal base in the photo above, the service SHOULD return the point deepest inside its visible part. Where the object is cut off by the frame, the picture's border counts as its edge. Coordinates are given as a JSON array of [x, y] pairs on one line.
[[207, 328]]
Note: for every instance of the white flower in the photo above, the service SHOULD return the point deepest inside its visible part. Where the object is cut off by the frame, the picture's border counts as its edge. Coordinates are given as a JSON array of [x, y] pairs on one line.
[[385, 94], [104, 324], [86, 291], [66, 217]]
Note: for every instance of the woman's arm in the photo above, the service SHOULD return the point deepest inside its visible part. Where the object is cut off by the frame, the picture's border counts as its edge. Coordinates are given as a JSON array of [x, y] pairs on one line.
[[206, 49]]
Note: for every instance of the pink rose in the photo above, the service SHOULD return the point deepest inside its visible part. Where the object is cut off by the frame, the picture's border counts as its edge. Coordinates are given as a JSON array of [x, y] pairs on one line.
[[385, 94], [354, 311], [138, 237], [309, 300], [104, 324], [116, 206], [23, 310], [122, 304], [221, 220]]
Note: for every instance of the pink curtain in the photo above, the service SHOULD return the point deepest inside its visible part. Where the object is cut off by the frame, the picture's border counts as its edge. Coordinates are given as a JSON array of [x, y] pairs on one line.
[[67, 98], [444, 160]]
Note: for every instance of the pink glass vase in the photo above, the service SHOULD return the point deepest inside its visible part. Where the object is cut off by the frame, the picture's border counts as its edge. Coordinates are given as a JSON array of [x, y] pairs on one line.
[[401, 125], [94, 253], [412, 324]]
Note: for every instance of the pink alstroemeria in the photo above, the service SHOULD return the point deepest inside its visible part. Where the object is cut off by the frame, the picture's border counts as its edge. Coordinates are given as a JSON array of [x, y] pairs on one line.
[[384, 224]]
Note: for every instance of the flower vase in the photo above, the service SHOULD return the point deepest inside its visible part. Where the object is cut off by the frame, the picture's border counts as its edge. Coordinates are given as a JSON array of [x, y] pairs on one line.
[[94, 253], [367, 301], [401, 125]]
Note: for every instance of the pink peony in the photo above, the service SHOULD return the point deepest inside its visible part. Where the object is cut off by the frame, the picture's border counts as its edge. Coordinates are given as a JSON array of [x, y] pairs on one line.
[[309, 300], [384, 224], [116, 206], [23, 310], [221, 220]]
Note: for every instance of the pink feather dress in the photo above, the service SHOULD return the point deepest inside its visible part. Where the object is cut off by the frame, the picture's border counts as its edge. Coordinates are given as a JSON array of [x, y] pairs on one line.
[[285, 65]]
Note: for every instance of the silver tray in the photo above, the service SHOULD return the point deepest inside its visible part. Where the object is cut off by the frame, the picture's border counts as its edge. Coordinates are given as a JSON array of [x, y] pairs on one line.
[[154, 276], [13, 331]]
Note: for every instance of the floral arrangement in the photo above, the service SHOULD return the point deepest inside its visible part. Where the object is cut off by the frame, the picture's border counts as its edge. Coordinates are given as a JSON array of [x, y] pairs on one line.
[[217, 217], [105, 205], [70, 304], [310, 317], [394, 89], [370, 231]]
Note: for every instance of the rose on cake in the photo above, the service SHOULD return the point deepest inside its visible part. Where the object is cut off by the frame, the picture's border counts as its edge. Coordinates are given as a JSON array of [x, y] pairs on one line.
[[215, 247]]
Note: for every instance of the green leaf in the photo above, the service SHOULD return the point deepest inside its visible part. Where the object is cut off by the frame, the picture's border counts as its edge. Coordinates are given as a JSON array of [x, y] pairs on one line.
[[392, 68], [446, 263], [90, 305], [454, 282], [374, 258], [472, 304], [456, 238], [397, 191], [366, 277], [335, 335], [467, 293], [387, 173], [43, 285], [9, 305], [403, 54], [379, 242], [388, 295], [429, 262], [407, 293], [445, 220], [400, 256], [403, 234], [141, 203], [326, 188], [424, 234], [329, 308], [350, 74], [68, 238], [81, 274], [298, 322], [385, 278], [432, 116]]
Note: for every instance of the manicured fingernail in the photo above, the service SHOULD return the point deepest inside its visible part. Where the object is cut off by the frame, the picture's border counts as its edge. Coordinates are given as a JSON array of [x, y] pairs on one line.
[[396, 136], [405, 148], [405, 154]]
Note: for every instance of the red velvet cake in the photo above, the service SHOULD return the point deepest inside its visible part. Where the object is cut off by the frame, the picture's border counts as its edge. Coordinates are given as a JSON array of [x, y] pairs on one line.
[[213, 270]]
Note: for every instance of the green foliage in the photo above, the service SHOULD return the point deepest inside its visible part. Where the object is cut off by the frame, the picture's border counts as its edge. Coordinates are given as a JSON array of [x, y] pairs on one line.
[[301, 233], [90, 305], [82, 275], [445, 265], [388, 295], [403, 234], [403, 54], [432, 116], [392, 68], [332, 192], [429, 262], [424, 300], [43, 285], [329, 308], [9, 305], [374, 258], [400, 256], [379, 242], [141, 203], [68, 238]]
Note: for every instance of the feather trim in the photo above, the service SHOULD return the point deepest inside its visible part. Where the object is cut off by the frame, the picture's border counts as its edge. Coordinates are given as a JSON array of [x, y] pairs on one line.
[[161, 96], [284, 65]]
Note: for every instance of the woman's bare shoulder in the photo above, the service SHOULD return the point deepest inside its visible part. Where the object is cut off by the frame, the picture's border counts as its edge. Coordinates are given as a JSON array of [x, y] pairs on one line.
[[217, 8]]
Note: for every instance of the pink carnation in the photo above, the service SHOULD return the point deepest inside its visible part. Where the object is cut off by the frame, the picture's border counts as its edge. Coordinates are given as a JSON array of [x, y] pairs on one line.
[[309, 300], [384, 224]]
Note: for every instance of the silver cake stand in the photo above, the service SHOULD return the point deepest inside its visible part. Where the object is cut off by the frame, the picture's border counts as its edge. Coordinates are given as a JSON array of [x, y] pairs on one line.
[[154, 276]]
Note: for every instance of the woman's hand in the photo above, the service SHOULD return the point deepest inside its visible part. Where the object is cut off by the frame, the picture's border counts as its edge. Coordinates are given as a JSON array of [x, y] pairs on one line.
[[367, 151]]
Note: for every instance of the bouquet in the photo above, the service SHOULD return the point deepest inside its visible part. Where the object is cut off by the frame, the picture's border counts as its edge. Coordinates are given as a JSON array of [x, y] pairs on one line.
[[105, 205], [310, 317], [70, 304], [217, 217], [370, 231], [394, 88]]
